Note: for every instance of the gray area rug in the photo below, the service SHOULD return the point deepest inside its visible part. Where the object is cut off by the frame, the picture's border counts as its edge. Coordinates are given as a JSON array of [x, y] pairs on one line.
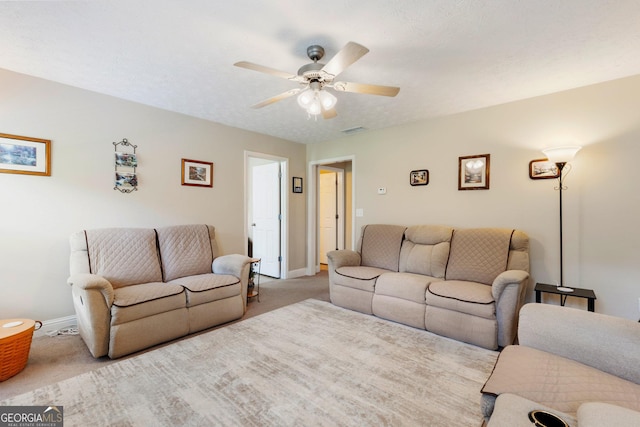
[[310, 363]]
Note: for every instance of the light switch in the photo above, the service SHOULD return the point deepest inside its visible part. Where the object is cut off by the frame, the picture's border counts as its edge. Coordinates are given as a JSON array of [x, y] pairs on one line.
[[359, 212]]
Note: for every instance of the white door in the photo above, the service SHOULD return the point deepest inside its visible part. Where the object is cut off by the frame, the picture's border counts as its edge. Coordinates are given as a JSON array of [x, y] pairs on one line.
[[330, 211], [266, 217]]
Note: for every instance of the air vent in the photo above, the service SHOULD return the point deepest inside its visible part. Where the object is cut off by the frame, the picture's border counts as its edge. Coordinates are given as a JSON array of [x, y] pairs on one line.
[[353, 130]]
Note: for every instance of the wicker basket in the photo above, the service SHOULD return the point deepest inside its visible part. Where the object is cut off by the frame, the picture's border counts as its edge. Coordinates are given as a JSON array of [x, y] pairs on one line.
[[14, 350]]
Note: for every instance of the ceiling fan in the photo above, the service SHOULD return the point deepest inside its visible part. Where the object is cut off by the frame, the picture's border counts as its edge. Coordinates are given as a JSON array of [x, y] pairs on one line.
[[315, 78]]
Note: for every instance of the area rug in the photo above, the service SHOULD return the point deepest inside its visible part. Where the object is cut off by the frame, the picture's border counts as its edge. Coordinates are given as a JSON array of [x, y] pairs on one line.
[[310, 363]]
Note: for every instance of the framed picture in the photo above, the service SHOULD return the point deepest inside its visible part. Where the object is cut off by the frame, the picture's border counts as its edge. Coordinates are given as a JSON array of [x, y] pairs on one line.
[[543, 169], [197, 173], [129, 160], [419, 177], [473, 172], [24, 155], [297, 184], [126, 181]]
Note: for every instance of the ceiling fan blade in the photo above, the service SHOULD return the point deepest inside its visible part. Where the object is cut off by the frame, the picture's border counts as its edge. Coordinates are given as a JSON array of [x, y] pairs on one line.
[[347, 56], [366, 88], [277, 98], [266, 70], [329, 114]]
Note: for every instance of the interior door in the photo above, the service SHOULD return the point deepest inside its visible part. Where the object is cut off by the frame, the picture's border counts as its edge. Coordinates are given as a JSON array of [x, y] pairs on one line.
[[328, 214], [266, 217]]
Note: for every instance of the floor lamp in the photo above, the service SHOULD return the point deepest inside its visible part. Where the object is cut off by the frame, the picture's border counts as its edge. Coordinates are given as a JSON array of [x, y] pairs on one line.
[[561, 156]]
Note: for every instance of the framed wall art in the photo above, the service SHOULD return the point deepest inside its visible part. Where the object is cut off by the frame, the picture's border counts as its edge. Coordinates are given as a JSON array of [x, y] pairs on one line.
[[197, 173], [419, 177], [297, 184], [473, 172], [25, 155], [543, 169]]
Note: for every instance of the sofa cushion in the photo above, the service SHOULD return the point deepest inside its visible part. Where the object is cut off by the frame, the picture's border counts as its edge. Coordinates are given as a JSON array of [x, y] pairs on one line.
[[598, 414], [465, 297], [408, 286], [124, 256], [204, 288], [426, 250], [380, 246], [557, 382], [185, 250], [144, 300], [478, 254], [363, 278]]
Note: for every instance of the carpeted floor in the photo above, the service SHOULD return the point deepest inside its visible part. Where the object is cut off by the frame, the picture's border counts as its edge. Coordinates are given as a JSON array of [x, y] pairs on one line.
[[309, 363], [53, 359]]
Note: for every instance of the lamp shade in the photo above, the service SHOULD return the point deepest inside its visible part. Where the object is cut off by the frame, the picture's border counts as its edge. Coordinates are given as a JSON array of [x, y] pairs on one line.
[[561, 154]]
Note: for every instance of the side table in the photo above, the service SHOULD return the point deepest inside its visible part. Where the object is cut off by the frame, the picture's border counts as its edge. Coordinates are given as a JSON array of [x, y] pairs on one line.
[[577, 292], [254, 285]]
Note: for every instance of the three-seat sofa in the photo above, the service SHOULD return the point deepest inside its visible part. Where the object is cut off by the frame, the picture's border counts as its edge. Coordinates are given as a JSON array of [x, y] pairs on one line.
[[466, 284], [137, 287]]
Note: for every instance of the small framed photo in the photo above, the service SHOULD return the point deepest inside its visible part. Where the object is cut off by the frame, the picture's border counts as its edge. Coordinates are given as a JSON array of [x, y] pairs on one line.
[[419, 177], [129, 160], [543, 169], [24, 155], [126, 180], [297, 184], [473, 172], [197, 173]]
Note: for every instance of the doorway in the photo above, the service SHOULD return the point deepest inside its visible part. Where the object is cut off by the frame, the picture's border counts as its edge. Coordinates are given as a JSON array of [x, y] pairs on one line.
[[331, 214], [321, 221], [266, 213]]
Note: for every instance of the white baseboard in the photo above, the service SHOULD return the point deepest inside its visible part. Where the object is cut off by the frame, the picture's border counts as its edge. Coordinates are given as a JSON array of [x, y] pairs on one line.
[[56, 324], [297, 273]]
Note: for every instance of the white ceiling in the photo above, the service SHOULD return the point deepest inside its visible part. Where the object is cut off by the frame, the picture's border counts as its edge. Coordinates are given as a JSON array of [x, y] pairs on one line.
[[447, 56]]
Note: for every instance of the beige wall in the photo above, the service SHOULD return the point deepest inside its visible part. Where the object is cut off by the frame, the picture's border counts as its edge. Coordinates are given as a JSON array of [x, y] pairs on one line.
[[601, 205], [37, 214]]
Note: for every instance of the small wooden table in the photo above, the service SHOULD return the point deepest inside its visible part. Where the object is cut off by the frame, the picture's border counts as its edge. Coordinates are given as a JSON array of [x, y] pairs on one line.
[[577, 292]]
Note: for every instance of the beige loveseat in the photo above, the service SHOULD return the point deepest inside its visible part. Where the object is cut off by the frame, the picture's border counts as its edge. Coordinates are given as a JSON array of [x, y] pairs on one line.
[[466, 284], [582, 366], [136, 287]]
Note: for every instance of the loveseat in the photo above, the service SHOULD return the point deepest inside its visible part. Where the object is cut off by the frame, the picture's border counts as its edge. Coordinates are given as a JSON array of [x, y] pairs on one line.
[[466, 284], [137, 287], [583, 367]]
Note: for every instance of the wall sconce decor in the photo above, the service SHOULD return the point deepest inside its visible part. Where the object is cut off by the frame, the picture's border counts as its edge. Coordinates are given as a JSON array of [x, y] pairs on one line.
[[561, 156], [126, 181]]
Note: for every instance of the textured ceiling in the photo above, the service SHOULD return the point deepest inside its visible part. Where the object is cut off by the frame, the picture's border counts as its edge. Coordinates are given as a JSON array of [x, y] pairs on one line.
[[447, 56]]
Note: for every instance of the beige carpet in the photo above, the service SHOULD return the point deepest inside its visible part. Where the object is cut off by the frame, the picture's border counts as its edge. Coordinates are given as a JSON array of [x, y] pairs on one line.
[[310, 363]]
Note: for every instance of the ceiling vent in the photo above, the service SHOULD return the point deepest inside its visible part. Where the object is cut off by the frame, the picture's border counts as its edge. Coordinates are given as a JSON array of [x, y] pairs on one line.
[[353, 130]]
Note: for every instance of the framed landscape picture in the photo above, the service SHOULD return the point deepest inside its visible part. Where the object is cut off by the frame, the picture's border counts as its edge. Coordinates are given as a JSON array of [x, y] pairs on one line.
[[25, 155], [543, 169], [197, 173], [473, 172]]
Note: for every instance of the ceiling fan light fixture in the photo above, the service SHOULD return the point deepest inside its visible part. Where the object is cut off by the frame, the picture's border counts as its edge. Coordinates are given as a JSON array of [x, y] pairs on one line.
[[306, 98], [327, 100], [315, 107]]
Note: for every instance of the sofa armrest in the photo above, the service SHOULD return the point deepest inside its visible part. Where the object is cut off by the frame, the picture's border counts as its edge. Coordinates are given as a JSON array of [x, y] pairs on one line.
[[87, 282], [92, 299], [508, 291], [235, 265], [610, 344], [343, 257], [506, 278], [596, 414]]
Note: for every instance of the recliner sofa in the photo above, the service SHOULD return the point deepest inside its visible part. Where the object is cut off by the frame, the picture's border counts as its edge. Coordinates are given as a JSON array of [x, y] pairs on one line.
[[466, 284], [137, 287]]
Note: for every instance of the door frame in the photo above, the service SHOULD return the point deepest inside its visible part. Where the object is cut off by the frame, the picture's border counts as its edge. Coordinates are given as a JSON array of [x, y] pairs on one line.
[[340, 208], [284, 206], [313, 265]]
